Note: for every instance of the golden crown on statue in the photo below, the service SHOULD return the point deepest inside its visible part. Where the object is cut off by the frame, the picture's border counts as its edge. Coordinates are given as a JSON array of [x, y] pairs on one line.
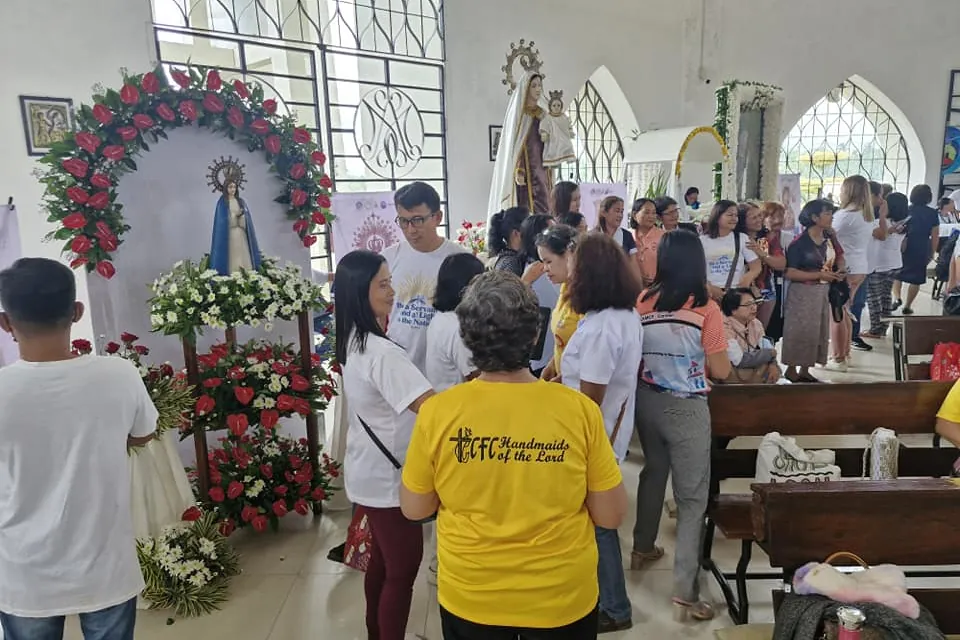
[[556, 95], [223, 171], [530, 61]]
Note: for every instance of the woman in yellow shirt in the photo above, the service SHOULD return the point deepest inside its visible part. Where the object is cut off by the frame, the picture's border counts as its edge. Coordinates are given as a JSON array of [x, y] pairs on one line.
[[519, 472], [555, 246]]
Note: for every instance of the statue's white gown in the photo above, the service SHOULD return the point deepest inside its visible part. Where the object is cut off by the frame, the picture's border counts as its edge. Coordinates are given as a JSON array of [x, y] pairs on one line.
[[160, 490]]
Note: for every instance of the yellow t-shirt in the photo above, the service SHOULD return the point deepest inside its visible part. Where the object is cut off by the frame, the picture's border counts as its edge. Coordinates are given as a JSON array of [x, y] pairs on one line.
[[563, 323], [512, 464], [950, 409]]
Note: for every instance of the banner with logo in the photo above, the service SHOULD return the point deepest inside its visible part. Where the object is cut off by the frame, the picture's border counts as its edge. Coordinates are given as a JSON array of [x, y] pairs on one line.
[[592, 194], [364, 221]]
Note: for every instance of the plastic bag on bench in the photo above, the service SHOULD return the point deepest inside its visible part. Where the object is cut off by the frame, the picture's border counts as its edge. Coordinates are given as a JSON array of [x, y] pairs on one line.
[[781, 459]]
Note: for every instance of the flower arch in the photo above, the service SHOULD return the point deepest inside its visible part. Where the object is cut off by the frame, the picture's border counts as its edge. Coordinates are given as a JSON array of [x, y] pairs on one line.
[[83, 171]]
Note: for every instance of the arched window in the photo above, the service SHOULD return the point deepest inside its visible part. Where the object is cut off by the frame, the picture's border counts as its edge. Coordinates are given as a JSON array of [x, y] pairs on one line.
[[846, 133], [598, 145]]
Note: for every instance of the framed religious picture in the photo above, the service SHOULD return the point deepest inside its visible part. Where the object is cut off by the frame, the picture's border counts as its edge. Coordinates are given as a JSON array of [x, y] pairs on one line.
[[46, 121], [494, 142]]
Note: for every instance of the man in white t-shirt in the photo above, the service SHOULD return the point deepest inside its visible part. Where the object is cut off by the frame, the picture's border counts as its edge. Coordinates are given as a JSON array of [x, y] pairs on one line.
[[66, 534], [414, 266]]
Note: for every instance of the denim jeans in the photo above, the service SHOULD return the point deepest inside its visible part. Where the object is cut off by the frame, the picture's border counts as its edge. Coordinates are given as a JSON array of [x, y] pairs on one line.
[[856, 307], [613, 588], [113, 623]]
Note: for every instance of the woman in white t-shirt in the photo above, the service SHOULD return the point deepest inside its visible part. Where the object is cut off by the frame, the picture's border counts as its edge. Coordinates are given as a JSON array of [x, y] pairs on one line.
[[382, 386], [448, 360], [602, 360], [886, 258], [853, 226], [727, 267]]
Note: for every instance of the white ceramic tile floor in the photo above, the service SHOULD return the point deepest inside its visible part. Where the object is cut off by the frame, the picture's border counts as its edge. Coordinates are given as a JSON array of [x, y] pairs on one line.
[[290, 591]]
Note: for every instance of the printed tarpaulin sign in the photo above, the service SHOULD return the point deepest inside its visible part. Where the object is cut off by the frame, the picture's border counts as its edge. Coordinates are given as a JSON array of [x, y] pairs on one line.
[[364, 221], [592, 194]]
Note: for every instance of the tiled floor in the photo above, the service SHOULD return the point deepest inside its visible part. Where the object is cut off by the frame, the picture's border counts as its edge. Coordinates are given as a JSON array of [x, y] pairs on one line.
[[289, 591]]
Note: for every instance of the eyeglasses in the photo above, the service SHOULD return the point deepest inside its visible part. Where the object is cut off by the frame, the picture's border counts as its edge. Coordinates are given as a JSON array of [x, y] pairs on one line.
[[415, 222]]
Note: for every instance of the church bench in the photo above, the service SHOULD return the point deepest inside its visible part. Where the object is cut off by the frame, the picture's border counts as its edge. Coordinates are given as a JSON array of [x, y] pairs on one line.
[[909, 408], [911, 522], [914, 338]]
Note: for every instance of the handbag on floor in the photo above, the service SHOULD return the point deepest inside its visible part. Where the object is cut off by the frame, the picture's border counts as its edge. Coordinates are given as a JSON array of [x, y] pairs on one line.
[[359, 544], [945, 365]]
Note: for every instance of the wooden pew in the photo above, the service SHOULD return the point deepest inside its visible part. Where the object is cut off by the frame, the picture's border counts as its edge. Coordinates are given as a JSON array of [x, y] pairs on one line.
[[914, 338], [806, 410], [904, 522]]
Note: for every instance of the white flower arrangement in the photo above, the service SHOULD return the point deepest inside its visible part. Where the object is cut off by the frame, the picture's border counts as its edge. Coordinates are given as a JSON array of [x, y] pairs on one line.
[[188, 567], [192, 297]]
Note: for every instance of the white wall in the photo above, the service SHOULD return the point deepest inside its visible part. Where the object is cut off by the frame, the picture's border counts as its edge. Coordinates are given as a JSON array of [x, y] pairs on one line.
[[59, 48], [652, 47]]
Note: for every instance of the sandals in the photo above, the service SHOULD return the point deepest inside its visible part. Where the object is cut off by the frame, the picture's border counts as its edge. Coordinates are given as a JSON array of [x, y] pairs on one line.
[[699, 611], [638, 559]]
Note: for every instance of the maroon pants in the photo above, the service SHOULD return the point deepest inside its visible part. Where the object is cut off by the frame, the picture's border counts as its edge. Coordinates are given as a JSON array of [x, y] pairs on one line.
[[394, 562]]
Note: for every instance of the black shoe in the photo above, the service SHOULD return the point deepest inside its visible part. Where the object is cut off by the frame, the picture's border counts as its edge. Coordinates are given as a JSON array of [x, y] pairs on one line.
[[607, 624], [907, 311], [896, 305], [336, 554], [860, 345]]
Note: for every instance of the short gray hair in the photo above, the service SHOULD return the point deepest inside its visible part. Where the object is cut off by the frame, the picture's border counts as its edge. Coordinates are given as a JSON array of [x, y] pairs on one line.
[[499, 321]]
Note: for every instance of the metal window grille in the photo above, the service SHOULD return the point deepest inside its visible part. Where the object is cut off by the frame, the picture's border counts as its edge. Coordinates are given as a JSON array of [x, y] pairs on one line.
[[598, 145]]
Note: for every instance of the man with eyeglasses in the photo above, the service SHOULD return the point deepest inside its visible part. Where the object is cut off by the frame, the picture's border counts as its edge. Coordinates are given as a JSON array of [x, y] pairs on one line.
[[414, 266]]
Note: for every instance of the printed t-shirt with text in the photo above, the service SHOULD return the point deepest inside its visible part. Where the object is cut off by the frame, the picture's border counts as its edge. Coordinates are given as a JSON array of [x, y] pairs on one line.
[[512, 464], [676, 344]]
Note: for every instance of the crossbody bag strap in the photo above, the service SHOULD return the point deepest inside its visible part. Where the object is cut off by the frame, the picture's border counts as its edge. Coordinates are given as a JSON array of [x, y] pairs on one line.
[[380, 445], [616, 427], [736, 260]]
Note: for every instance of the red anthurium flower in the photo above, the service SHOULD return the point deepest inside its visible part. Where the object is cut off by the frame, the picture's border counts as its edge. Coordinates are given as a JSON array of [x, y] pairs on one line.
[[270, 106], [248, 513], [213, 80], [75, 167], [236, 373], [142, 121], [106, 269], [241, 89], [301, 406], [301, 507], [212, 383], [129, 94], [234, 490], [318, 157], [244, 395], [192, 514], [216, 494], [279, 368], [87, 141], [209, 360], [279, 508], [269, 418], [260, 127], [127, 133], [78, 262], [284, 402], [166, 370], [281, 490], [213, 103], [260, 524], [325, 182], [99, 200], [78, 195], [74, 221], [108, 243], [297, 171], [114, 152], [296, 462], [188, 109], [298, 197], [309, 241], [319, 495], [101, 181], [300, 226], [266, 471], [227, 527], [205, 404], [150, 83], [237, 423], [323, 201], [102, 113], [301, 135], [235, 117], [299, 383], [181, 78], [165, 112], [81, 244], [318, 218], [272, 145]]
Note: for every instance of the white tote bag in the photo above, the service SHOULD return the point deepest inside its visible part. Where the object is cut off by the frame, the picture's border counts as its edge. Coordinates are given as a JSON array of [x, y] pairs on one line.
[[781, 459]]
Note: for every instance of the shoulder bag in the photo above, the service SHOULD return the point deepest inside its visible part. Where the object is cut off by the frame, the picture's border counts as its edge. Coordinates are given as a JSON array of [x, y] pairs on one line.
[[389, 456]]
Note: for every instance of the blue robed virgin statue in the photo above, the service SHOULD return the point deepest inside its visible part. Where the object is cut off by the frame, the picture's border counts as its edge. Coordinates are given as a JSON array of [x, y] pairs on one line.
[[234, 245]]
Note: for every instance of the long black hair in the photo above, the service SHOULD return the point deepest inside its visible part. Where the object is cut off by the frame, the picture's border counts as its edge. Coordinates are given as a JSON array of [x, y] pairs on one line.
[[713, 222], [562, 196], [502, 224], [456, 272], [531, 228], [558, 239], [681, 272], [352, 309]]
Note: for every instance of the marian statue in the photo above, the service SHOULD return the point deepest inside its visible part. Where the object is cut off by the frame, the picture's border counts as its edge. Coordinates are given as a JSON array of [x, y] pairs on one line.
[[234, 245], [520, 178]]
